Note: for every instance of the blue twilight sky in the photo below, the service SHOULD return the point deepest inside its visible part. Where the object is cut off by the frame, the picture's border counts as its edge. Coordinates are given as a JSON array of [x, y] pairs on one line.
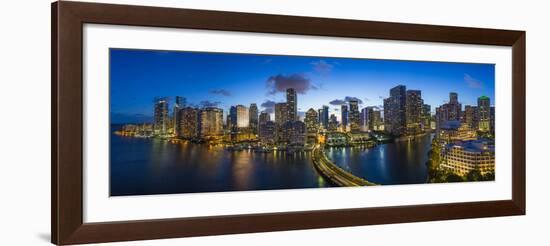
[[223, 79]]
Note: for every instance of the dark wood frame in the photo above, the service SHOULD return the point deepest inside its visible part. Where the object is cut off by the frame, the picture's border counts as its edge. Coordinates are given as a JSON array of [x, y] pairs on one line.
[[67, 207]]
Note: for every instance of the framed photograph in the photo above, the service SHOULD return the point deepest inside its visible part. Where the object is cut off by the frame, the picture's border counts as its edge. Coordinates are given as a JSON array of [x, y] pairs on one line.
[[174, 122]]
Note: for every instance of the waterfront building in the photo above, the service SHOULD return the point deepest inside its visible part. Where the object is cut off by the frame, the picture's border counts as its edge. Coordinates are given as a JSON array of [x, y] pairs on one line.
[[323, 117], [161, 119], [395, 111], [189, 123], [292, 104], [292, 133], [484, 112], [426, 117], [333, 123], [211, 122], [242, 117], [232, 119], [364, 119], [354, 115], [344, 116], [180, 103], [281, 113], [253, 118], [267, 132], [377, 124], [450, 111], [312, 121], [456, 131], [413, 111], [462, 157]]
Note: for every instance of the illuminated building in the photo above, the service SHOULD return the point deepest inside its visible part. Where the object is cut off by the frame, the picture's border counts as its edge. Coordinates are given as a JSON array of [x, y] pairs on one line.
[[492, 120], [161, 119], [293, 133], [243, 119], [395, 111], [354, 115], [281, 113], [426, 117], [450, 111], [189, 123], [345, 114], [376, 120], [292, 104], [364, 119], [323, 117], [311, 121], [484, 113], [211, 122], [253, 118], [413, 110], [456, 131], [333, 123], [464, 156], [180, 103], [267, 132], [470, 116]]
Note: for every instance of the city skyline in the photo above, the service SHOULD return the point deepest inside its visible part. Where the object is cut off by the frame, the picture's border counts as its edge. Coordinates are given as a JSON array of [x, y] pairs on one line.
[[318, 81]]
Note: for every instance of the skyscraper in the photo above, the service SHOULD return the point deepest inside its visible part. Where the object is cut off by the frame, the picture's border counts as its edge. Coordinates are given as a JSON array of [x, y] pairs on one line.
[[161, 116], [243, 118], [292, 104], [323, 117], [470, 117], [312, 121], [253, 118], [450, 111], [395, 111], [189, 123], [333, 123], [180, 104], [281, 113], [267, 132], [264, 118], [232, 118], [484, 112], [211, 121], [414, 104], [364, 119], [354, 115], [345, 115], [426, 116]]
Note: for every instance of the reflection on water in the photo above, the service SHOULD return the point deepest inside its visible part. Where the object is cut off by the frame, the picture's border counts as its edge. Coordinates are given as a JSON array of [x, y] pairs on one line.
[[402, 162], [152, 166]]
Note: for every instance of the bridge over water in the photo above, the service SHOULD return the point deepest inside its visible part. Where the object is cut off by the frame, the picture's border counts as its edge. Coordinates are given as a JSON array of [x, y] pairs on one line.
[[333, 173]]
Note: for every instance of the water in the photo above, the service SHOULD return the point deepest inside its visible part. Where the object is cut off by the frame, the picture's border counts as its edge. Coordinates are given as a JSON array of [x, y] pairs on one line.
[[402, 162], [152, 166]]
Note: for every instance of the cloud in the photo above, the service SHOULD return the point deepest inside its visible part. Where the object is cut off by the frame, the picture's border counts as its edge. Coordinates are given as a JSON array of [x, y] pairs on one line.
[[269, 106], [472, 82], [222, 92], [337, 102], [280, 82], [322, 67], [346, 100], [207, 103]]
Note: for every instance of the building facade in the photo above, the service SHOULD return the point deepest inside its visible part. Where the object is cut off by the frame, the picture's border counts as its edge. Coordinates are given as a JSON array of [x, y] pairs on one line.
[[465, 156], [395, 111], [161, 119]]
